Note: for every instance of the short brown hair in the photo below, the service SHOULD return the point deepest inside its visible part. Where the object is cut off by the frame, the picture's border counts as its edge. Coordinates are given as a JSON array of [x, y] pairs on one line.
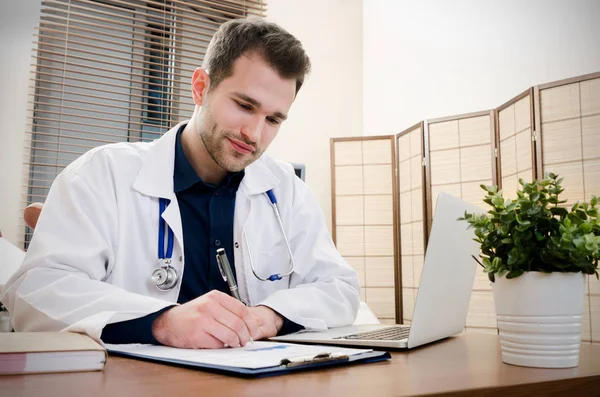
[[274, 44]]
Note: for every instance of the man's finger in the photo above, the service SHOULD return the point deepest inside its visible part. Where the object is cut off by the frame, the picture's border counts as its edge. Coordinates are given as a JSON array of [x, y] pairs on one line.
[[240, 310], [233, 322], [222, 333], [204, 340]]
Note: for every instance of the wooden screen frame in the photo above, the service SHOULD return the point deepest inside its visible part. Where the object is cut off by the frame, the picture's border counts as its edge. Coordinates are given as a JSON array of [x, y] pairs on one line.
[[493, 134], [540, 163], [425, 165], [538, 112], [528, 92], [424, 197], [395, 210]]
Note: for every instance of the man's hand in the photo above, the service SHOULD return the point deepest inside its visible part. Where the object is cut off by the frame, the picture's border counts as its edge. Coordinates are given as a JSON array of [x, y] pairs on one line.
[[269, 321], [210, 321]]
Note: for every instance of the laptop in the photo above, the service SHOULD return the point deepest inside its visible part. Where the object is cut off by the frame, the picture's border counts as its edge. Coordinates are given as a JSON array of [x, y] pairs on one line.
[[444, 293]]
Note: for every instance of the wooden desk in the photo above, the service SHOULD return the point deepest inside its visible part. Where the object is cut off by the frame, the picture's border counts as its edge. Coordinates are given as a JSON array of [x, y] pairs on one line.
[[468, 364]]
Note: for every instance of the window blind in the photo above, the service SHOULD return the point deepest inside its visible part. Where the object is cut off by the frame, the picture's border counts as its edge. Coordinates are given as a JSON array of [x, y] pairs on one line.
[[112, 71]]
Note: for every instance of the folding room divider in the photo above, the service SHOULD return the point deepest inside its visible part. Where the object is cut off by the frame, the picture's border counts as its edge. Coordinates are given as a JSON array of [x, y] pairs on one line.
[[364, 227], [460, 158], [567, 121], [412, 214], [553, 127]]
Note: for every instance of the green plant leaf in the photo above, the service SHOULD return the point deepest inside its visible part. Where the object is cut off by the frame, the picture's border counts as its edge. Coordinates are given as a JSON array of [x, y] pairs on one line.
[[515, 273], [536, 231], [498, 202], [585, 228], [559, 211]]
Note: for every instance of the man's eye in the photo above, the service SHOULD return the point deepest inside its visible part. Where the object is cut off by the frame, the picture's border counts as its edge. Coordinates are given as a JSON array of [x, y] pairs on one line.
[[244, 106], [273, 120]]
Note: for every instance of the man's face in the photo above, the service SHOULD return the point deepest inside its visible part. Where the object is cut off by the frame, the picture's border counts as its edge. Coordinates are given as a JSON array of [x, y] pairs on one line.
[[241, 116]]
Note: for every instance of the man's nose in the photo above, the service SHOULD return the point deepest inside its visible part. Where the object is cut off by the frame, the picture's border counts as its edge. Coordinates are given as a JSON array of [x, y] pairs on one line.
[[253, 128]]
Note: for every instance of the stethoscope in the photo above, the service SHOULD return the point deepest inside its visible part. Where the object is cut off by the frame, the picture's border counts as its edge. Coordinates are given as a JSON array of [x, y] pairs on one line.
[[165, 277]]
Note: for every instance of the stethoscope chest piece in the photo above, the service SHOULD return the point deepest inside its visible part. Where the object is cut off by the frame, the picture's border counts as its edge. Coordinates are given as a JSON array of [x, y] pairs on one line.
[[165, 276]]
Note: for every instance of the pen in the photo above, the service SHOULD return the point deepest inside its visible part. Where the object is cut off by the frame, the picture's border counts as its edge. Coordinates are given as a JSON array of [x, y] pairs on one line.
[[225, 269], [227, 274]]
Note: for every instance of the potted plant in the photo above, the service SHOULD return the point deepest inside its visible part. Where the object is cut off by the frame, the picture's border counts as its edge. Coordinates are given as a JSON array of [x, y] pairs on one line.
[[536, 254]]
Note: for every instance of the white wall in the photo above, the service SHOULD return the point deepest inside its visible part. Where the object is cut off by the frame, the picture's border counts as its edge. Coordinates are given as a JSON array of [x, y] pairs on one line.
[[434, 58], [330, 102], [17, 22]]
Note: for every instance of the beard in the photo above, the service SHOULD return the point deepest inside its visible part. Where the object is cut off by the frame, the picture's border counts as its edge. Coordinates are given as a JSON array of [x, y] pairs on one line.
[[219, 148]]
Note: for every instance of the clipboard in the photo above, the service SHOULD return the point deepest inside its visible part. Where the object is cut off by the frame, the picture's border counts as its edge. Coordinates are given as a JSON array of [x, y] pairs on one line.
[[285, 365]]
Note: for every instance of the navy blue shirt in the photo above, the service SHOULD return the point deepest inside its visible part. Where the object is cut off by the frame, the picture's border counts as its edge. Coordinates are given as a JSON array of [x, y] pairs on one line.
[[207, 221], [206, 217]]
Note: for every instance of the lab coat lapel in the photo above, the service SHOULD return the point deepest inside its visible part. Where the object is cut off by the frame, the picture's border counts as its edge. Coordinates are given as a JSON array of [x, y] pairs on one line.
[[258, 179], [155, 178]]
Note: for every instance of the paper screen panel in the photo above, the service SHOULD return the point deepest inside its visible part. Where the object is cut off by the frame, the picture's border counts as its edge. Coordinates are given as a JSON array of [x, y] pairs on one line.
[[350, 240], [481, 314], [349, 180], [379, 271], [348, 153], [457, 164], [586, 323], [570, 146], [350, 210], [378, 210], [364, 216], [515, 144], [593, 299], [460, 162], [358, 264], [594, 312], [590, 134], [377, 152], [410, 143], [382, 302]]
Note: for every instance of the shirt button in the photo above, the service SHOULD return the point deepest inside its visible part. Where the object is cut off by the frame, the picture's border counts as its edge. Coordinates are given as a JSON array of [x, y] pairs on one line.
[[217, 243]]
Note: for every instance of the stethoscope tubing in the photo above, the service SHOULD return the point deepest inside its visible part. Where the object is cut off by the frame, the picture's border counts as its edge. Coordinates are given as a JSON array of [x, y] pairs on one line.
[[165, 277]]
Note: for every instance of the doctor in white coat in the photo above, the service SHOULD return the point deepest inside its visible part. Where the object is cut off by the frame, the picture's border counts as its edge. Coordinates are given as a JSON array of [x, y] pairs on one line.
[[94, 249]]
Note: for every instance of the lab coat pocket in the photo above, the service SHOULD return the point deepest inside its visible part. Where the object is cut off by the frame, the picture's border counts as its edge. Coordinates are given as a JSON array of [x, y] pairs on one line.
[[267, 263]]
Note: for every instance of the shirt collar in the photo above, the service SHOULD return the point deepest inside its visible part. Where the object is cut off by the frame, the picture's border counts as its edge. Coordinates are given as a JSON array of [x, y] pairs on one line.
[[184, 175]]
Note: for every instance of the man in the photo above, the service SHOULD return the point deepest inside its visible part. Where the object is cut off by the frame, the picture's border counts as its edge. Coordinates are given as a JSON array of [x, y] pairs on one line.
[[89, 264]]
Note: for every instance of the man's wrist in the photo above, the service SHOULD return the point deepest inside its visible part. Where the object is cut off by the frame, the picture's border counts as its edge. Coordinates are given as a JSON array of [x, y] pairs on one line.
[[159, 326], [276, 318], [138, 330]]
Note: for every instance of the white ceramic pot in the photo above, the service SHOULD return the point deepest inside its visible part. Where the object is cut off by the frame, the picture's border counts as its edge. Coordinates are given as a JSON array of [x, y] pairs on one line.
[[539, 318]]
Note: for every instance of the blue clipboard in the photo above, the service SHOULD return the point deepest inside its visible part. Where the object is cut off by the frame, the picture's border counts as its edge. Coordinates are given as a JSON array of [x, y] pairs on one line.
[[285, 367]]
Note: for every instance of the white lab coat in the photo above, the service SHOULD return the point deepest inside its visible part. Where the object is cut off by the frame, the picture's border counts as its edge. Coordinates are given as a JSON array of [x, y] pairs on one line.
[[96, 245]]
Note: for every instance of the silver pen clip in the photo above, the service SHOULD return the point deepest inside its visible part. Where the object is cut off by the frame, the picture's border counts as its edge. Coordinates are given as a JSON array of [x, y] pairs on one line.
[[220, 265]]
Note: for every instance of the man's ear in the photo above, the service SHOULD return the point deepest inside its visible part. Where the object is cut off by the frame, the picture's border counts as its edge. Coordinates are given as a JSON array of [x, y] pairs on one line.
[[200, 85]]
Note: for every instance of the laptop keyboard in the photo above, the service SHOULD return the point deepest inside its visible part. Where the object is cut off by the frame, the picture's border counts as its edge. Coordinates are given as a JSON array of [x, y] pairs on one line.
[[390, 333]]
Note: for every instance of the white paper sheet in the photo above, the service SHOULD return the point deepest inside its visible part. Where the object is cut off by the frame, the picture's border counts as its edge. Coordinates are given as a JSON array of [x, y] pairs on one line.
[[252, 356], [11, 258]]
